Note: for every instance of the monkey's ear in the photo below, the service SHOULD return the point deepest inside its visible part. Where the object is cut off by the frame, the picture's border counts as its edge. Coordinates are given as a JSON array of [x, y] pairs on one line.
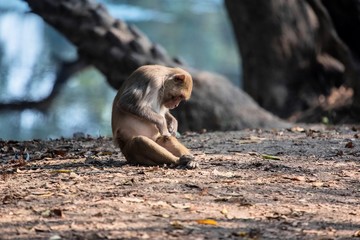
[[179, 77]]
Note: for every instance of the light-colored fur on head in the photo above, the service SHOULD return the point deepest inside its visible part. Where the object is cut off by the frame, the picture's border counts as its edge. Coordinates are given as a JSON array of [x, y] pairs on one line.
[[150, 84]]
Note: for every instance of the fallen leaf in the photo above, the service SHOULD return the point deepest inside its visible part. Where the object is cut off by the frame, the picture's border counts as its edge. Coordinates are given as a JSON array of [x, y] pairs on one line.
[[59, 152], [132, 199], [265, 156], [251, 139], [57, 212], [297, 129], [41, 228], [73, 175], [40, 193], [177, 225], [223, 174], [207, 222], [237, 200], [52, 213], [46, 213], [191, 185], [240, 234], [180, 205], [357, 233], [349, 144], [55, 237], [162, 215], [317, 184], [224, 211], [99, 214], [158, 204], [105, 153], [295, 178]]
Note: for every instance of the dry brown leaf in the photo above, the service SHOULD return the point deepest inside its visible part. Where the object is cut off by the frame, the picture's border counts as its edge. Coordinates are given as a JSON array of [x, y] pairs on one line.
[[163, 215], [42, 228], [349, 144], [105, 153], [240, 234], [132, 199], [251, 139], [207, 222], [295, 178], [317, 184], [181, 205], [41, 193], [59, 152], [297, 129], [177, 225], [224, 211], [223, 174], [158, 204]]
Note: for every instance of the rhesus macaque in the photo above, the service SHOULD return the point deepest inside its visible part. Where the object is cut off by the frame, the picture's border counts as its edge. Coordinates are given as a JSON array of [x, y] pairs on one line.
[[142, 125]]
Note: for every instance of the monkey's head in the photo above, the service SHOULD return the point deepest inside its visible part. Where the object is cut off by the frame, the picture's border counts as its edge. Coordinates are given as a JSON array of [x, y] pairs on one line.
[[177, 87]]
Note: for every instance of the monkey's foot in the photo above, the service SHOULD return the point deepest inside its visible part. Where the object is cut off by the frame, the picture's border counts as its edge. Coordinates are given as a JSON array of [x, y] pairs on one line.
[[188, 161]]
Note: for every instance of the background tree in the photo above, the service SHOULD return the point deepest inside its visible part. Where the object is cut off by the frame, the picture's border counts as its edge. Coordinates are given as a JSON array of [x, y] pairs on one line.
[[292, 53]]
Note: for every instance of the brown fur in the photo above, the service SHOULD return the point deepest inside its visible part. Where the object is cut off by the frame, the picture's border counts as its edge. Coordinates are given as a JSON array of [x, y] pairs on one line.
[[141, 121]]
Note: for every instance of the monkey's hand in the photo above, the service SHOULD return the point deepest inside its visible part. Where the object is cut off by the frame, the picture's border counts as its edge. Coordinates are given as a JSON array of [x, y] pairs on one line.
[[188, 161], [172, 124], [163, 129]]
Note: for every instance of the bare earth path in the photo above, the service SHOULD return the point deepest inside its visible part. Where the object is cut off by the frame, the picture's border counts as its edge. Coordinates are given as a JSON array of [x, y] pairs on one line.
[[82, 188]]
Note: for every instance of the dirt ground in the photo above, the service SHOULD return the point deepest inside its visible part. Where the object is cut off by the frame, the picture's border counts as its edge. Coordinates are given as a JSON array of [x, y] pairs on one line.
[[299, 183]]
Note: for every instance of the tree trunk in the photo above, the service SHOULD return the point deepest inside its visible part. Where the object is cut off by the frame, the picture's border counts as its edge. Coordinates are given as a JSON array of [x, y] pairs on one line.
[[346, 18], [291, 53], [117, 49], [276, 40]]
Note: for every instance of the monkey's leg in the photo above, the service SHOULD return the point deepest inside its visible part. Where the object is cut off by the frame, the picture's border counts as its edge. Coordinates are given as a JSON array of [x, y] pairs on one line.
[[175, 147], [142, 150]]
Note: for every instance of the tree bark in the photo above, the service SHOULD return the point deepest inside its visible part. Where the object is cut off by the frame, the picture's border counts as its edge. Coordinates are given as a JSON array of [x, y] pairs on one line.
[[291, 53], [345, 16], [117, 49], [276, 40]]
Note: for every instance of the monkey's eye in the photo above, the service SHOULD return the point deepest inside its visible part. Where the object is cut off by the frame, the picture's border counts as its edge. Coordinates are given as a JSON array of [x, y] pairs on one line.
[[180, 97]]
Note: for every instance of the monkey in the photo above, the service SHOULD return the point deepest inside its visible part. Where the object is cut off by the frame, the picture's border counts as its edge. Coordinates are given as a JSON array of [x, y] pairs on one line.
[[142, 124]]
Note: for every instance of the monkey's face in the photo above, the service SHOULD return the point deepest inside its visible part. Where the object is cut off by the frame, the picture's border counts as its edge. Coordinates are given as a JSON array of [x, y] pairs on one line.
[[176, 89], [173, 102]]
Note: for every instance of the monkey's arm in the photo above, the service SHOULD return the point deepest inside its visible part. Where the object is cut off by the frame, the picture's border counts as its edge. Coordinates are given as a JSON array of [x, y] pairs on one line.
[[172, 123], [147, 113], [137, 100]]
